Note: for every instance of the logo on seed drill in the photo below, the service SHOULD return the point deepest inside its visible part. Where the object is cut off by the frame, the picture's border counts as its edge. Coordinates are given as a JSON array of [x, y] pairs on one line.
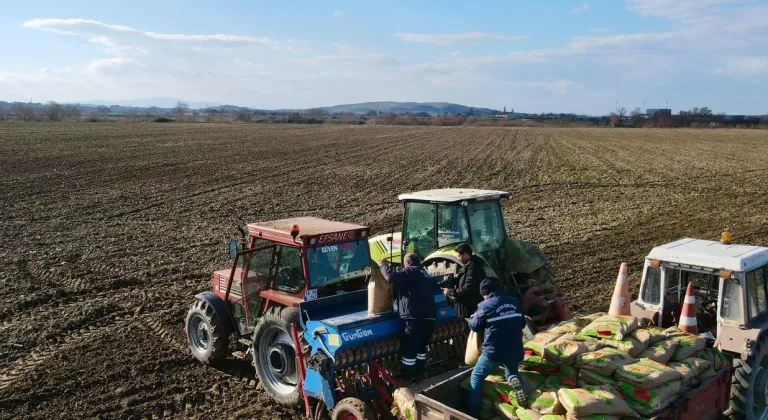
[[359, 333]]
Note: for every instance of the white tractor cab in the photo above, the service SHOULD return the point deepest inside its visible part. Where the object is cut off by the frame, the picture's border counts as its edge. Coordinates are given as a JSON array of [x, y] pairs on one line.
[[730, 283]]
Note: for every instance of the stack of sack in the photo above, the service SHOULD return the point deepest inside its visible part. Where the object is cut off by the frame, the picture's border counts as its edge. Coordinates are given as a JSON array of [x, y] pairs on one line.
[[603, 367]]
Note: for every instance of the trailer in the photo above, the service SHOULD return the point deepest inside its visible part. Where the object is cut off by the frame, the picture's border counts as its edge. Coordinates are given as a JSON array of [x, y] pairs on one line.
[[439, 399]]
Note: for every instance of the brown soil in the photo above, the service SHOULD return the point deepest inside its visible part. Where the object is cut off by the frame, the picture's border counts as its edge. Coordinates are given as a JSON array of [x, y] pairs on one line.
[[110, 229]]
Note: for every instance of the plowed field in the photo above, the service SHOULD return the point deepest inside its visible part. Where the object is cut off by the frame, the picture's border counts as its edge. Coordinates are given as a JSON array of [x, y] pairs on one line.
[[108, 230]]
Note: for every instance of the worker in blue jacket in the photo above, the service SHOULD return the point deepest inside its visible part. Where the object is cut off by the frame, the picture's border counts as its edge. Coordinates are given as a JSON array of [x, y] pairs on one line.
[[416, 291], [502, 319]]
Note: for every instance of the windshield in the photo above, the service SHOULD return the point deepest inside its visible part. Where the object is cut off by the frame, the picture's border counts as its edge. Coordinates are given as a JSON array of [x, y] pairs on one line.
[[331, 263], [487, 225]]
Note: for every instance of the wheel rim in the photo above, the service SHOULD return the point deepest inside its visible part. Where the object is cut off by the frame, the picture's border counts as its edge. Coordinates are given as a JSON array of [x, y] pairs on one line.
[[277, 358], [198, 333]]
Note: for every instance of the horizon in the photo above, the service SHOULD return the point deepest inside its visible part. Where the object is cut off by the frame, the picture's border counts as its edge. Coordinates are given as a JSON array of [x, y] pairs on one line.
[[556, 56]]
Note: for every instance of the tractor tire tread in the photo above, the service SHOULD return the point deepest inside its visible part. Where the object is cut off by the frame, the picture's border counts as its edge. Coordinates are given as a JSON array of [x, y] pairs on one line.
[[270, 317], [740, 404], [219, 340], [352, 406]]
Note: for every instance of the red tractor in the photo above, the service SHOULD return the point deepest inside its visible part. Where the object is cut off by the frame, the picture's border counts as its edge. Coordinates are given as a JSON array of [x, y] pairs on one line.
[[277, 265]]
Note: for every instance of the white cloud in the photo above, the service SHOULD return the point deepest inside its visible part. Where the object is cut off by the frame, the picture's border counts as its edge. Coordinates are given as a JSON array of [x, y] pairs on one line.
[[578, 9], [744, 66], [338, 13], [88, 27], [452, 39]]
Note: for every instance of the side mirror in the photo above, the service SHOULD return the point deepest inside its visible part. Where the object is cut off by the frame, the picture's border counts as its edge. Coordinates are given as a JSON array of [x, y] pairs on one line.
[[232, 248]]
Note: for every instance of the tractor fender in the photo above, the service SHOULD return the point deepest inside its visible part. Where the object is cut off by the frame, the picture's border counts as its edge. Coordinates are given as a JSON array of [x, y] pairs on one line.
[[219, 308]]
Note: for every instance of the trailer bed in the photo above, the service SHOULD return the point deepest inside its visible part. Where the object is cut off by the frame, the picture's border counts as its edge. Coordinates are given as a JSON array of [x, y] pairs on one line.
[[438, 398]]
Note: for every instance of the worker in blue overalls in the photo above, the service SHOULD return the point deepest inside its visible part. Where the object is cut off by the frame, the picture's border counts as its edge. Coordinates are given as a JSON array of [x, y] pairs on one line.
[[415, 291], [502, 319]]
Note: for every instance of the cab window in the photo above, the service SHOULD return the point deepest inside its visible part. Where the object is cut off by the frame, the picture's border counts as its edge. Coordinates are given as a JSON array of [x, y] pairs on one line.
[[652, 285], [757, 293], [487, 224], [451, 225], [420, 236], [731, 307], [290, 273]]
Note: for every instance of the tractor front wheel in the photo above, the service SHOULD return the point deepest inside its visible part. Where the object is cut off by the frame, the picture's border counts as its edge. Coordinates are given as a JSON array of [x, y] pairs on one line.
[[351, 409], [749, 390], [274, 358], [205, 334]]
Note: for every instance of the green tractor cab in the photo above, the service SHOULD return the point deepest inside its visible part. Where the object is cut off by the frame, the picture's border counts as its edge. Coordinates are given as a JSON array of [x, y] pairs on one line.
[[436, 221]]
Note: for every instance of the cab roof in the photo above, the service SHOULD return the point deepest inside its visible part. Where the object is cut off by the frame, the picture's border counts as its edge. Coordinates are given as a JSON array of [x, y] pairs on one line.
[[711, 254], [308, 226], [453, 195]]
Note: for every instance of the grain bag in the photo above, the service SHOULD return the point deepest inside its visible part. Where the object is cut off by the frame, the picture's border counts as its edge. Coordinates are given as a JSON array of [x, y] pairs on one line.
[[628, 345], [690, 368], [646, 374], [506, 411], [568, 372], [536, 345], [379, 293], [611, 326], [564, 351], [593, 400], [648, 335], [603, 361], [593, 378], [474, 344], [653, 400], [533, 378], [555, 382], [660, 351], [543, 402]]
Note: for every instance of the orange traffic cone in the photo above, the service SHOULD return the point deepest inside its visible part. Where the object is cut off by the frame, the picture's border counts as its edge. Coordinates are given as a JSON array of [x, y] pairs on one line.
[[688, 314], [620, 299]]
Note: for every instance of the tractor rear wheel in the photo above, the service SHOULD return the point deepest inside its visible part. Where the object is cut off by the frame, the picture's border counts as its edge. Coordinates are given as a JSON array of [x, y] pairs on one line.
[[749, 390], [205, 334], [351, 409], [274, 358]]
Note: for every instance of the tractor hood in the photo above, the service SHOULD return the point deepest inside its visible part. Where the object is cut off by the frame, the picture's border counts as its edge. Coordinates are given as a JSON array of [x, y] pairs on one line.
[[386, 246]]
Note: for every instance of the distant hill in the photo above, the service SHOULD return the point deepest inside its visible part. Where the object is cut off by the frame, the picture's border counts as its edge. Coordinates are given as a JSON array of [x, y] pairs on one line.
[[433, 108], [157, 102]]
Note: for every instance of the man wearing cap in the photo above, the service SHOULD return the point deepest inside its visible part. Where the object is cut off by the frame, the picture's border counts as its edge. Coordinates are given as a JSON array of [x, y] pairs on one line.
[[502, 319], [416, 302], [466, 295]]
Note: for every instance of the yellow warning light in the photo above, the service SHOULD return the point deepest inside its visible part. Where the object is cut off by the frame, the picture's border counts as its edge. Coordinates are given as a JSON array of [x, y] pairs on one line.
[[654, 263], [725, 238], [725, 274]]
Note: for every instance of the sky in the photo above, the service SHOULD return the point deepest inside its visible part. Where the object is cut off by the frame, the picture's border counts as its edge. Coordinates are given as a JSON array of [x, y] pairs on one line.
[[542, 56]]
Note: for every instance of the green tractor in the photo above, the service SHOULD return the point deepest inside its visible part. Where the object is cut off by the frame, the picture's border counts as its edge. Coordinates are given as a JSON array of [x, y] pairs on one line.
[[436, 221]]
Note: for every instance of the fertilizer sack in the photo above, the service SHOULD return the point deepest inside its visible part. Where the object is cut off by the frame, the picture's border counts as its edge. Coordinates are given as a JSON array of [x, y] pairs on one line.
[[651, 400], [647, 374], [604, 361], [706, 374], [405, 403], [628, 345], [526, 414], [505, 410], [379, 294], [542, 402], [585, 320], [593, 378], [715, 357], [538, 364], [536, 345], [474, 343], [566, 327], [594, 417], [648, 335], [690, 368], [687, 345], [593, 400], [555, 382], [660, 351], [564, 351], [611, 326]]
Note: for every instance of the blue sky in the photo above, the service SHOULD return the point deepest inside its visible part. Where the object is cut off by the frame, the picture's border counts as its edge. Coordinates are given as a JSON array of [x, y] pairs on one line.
[[561, 56]]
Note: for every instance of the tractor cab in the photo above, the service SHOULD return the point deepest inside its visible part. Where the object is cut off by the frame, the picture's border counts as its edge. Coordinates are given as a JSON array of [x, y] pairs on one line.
[[444, 218], [285, 262], [729, 280]]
